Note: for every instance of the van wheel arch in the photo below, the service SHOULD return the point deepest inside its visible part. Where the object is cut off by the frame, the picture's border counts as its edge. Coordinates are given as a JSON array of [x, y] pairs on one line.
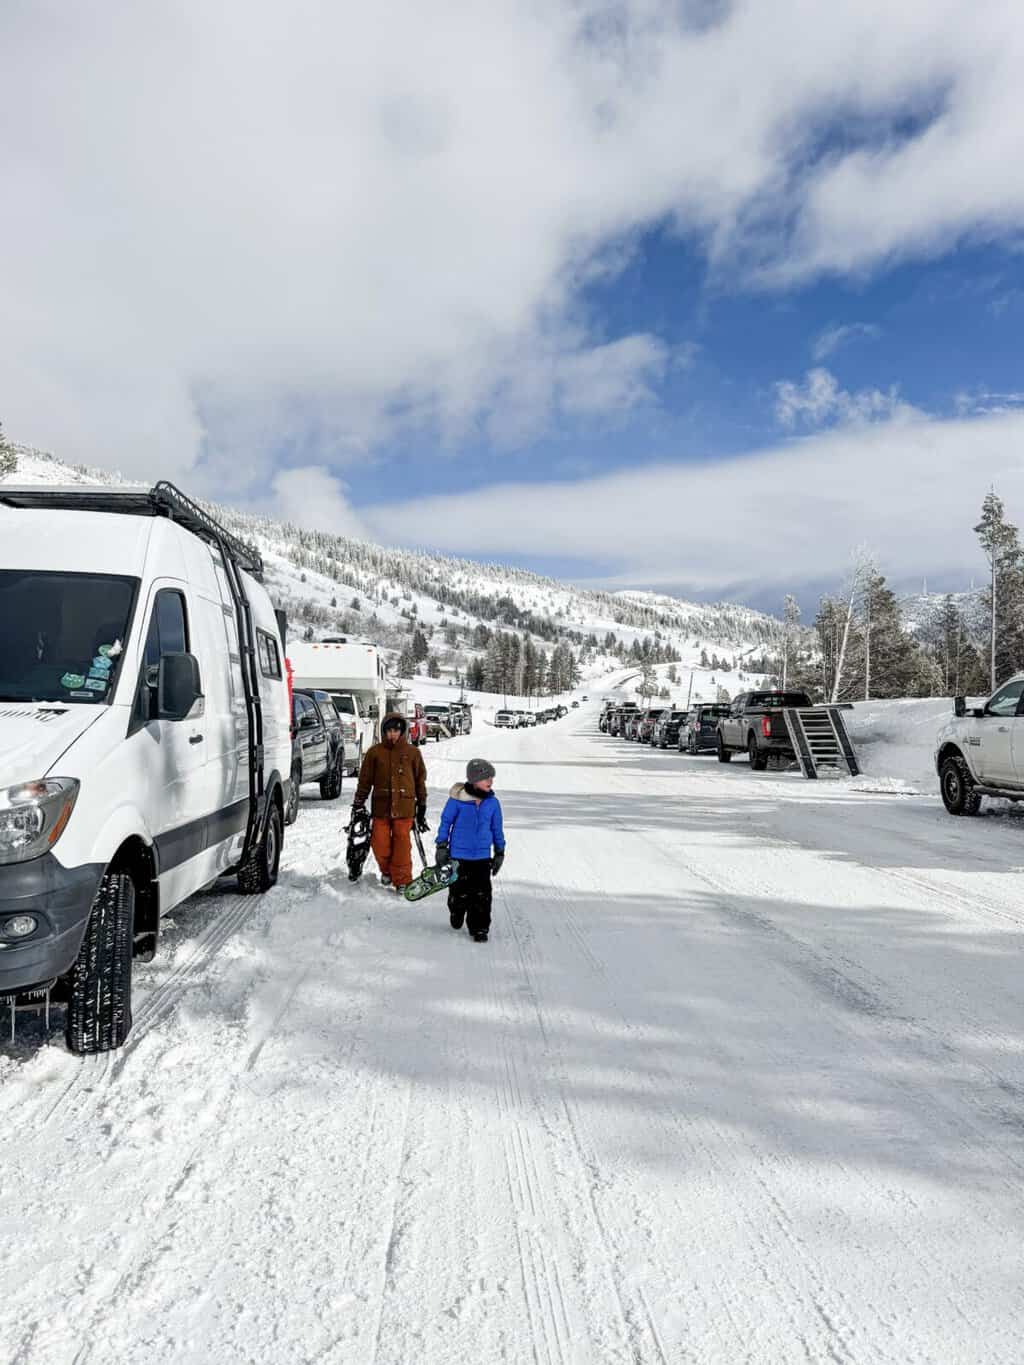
[[136, 859]]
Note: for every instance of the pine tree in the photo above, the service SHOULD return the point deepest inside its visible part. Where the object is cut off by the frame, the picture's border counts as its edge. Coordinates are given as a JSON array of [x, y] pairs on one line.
[[419, 646], [998, 539], [433, 667], [406, 663], [8, 456], [791, 618]]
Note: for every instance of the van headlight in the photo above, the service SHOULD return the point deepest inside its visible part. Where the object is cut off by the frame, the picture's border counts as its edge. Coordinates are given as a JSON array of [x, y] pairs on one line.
[[33, 816]]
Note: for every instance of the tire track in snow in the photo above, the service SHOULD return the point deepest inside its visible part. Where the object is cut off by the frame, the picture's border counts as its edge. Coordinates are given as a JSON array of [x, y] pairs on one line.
[[639, 1340]]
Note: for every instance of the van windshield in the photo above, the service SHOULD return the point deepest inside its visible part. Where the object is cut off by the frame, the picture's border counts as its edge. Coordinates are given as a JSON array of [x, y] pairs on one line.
[[62, 635]]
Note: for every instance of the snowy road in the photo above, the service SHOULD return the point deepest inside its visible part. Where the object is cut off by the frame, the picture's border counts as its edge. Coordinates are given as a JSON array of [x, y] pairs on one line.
[[739, 1077]]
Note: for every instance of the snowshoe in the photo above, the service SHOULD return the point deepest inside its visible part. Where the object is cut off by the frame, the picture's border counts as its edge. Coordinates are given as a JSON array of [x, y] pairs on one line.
[[358, 831], [432, 878]]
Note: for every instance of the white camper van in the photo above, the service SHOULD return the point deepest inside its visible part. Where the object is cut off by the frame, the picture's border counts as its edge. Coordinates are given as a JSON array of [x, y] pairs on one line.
[[144, 735], [353, 673]]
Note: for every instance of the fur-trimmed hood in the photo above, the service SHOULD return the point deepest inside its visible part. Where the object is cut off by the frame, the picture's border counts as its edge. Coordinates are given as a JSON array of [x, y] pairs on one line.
[[458, 793]]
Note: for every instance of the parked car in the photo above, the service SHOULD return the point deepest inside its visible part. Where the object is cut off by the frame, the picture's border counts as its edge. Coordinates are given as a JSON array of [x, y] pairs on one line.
[[755, 725], [619, 718], [504, 720], [699, 732], [140, 759], [438, 722], [575, 704], [417, 723], [462, 717], [631, 724], [645, 725], [980, 750], [318, 748], [666, 728]]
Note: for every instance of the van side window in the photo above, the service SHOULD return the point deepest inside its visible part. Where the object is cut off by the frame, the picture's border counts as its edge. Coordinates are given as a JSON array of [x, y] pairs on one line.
[[269, 656], [168, 627], [167, 634]]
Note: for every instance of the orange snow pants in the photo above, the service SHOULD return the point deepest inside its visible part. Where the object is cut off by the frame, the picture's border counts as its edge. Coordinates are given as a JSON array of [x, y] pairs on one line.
[[389, 840]]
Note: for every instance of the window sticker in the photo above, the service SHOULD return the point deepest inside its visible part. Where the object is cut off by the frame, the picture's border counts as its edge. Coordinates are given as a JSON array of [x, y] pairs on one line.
[[96, 684], [72, 680], [110, 651], [85, 696], [101, 665]]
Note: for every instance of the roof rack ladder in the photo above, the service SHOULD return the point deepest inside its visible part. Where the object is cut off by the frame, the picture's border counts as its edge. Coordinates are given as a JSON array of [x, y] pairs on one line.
[[253, 702]]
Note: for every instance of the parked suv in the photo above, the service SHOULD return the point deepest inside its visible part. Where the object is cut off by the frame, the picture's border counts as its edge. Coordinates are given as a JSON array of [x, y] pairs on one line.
[[699, 732], [318, 749], [980, 751], [666, 728], [645, 725]]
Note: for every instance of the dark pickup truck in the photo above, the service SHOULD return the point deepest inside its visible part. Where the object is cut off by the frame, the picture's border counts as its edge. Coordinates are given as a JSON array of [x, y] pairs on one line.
[[755, 725]]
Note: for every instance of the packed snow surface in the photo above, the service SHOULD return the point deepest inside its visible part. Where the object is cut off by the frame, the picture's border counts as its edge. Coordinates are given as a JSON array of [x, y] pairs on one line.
[[738, 1078]]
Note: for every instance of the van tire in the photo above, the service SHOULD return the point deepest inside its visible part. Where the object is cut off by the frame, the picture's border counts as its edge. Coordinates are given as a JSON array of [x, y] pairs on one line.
[[99, 1011], [724, 754], [331, 782], [957, 787], [259, 871], [291, 812]]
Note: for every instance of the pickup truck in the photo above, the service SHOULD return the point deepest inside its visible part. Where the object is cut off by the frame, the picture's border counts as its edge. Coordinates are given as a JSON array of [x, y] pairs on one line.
[[980, 750], [756, 726]]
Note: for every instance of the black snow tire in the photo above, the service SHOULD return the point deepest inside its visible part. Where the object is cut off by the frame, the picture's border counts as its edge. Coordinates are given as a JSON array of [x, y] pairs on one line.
[[331, 782], [259, 871], [291, 812], [99, 1012], [758, 761], [957, 786], [724, 754]]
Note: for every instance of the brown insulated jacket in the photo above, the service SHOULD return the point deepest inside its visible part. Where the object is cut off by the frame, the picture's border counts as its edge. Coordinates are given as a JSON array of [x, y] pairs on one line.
[[397, 775]]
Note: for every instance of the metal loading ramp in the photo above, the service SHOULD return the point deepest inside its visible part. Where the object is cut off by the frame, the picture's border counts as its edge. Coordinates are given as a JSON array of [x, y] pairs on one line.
[[820, 740]]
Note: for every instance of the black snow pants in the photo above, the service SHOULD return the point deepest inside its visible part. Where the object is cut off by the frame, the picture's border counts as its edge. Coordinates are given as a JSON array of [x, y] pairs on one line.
[[470, 896]]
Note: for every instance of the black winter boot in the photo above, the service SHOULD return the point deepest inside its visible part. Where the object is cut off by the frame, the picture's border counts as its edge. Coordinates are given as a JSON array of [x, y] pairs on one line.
[[456, 917]]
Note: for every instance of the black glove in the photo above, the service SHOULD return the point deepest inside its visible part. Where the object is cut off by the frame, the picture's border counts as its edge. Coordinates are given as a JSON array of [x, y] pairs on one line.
[[421, 819], [356, 810], [496, 862], [444, 854]]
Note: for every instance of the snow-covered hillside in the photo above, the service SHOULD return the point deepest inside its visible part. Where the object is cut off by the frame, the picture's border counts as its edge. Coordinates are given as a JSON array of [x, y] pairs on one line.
[[330, 584]]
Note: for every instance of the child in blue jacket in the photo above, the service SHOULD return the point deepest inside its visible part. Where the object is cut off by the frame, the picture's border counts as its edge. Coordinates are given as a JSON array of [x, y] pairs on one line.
[[470, 827]]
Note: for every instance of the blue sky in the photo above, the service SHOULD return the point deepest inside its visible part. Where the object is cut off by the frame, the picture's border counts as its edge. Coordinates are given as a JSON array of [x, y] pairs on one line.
[[647, 293]]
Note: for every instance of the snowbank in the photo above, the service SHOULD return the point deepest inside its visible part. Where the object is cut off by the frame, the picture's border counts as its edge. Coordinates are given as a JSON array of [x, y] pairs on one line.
[[895, 742]]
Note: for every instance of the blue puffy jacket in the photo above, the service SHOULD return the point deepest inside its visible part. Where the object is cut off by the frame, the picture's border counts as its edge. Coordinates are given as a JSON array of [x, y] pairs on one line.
[[471, 825]]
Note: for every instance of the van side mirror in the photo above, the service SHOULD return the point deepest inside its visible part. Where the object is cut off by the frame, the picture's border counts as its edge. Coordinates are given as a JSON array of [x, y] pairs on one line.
[[177, 686], [959, 706]]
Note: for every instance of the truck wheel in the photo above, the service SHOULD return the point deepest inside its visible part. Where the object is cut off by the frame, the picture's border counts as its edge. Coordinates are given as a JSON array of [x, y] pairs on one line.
[[291, 813], [724, 754], [758, 761], [957, 785], [259, 871], [99, 1014], [331, 782]]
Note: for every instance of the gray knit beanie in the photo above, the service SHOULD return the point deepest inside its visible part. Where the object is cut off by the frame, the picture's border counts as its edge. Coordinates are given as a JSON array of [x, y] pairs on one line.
[[477, 769]]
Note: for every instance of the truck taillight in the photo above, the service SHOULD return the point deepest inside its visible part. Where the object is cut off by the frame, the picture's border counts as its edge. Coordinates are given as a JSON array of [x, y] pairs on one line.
[[766, 726]]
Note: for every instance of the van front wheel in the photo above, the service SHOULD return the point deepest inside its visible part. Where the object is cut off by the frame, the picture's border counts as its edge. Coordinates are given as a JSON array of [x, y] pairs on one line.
[[99, 1013], [259, 871]]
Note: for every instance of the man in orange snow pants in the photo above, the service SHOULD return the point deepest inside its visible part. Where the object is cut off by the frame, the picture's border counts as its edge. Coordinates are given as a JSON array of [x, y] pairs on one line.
[[396, 774]]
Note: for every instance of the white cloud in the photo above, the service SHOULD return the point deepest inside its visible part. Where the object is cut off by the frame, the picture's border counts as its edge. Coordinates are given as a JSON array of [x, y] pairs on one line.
[[373, 213], [312, 496], [840, 334], [780, 517], [820, 401]]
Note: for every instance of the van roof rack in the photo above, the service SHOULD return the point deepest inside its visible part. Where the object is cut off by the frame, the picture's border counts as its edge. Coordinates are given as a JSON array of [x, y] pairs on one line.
[[162, 500]]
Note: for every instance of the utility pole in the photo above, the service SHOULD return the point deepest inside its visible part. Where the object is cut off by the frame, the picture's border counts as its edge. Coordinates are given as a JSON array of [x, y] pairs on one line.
[[690, 692]]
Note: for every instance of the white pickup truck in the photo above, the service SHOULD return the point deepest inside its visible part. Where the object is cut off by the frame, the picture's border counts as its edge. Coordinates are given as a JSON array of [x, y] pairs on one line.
[[980, 751]]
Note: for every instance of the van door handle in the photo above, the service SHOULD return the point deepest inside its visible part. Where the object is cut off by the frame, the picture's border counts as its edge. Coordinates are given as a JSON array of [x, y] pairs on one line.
[[195, 739], [1004, 729]]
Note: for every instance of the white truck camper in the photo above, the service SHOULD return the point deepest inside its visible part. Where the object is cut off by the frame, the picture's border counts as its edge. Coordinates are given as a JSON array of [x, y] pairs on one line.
[[353, 673], [144, 737]]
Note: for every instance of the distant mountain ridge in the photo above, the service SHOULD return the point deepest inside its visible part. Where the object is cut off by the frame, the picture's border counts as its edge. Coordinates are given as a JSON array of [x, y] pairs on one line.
[[331, 583]]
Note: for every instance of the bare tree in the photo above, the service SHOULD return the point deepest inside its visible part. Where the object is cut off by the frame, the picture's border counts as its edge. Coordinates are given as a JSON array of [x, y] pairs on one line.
[[862, 569]]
